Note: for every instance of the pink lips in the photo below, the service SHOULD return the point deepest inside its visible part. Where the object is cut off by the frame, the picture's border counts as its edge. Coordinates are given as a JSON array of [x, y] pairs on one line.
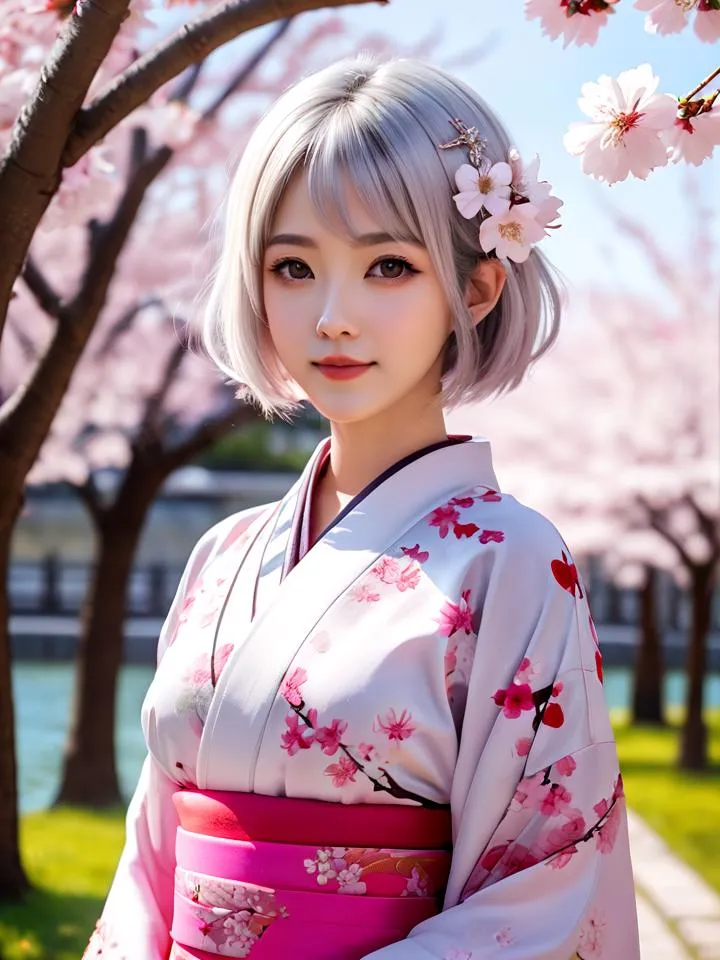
[[341, 368]]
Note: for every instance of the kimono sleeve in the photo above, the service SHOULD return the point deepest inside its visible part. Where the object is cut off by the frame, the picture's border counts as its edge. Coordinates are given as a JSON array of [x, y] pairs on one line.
[[541, 867], [137, 916]]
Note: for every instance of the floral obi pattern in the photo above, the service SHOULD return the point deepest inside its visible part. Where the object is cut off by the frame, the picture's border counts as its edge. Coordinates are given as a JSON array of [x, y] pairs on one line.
[[272, 899]]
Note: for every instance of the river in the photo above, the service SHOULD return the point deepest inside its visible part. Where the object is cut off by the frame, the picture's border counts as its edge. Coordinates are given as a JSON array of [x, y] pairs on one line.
[[43, 692]]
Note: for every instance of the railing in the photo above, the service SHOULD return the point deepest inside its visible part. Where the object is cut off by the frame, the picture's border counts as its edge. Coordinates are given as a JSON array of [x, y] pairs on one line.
[[54, 587]]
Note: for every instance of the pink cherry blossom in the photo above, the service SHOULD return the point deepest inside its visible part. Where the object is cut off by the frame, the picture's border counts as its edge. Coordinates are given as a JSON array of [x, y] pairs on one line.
[[580, 28], [492, 496], [562, 859], [387, 570], [330, 737], [366, 751], [526, 672], [488, 189], [664, 16], [290, 690], [491, 536], [566, 766], [415, 553], [409, 577], [364, 593], [504, 937], [707, 22], [295, 738], [607, 834], [443, 518], [627, 120], [456, 616], [515, 699], [570, 831], [523, 745], [512, 234], [394, 727], [694, 139], [341, 772], [556, 799]]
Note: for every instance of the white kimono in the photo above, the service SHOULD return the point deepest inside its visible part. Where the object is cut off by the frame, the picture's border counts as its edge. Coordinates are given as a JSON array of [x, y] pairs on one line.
[[434, 647]]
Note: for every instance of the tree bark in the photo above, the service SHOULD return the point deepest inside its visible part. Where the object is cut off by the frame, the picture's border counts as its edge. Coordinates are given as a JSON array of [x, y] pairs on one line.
[[90, 772], [649, 668], [693, 742], [13, 882], [31, 168]]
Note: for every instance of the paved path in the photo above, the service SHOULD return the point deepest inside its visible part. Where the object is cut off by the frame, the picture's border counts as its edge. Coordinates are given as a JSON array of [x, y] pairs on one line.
[[679, 914]]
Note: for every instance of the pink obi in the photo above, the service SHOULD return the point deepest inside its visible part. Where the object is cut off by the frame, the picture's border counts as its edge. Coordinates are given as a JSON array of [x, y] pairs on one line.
[[275, 878]]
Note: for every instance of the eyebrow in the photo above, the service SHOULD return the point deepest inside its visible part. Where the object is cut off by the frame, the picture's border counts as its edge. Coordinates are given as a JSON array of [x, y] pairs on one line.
[[364, 240]]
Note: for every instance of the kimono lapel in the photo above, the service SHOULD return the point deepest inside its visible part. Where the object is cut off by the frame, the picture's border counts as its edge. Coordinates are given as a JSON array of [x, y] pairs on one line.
[[250, 681], [279, 547]]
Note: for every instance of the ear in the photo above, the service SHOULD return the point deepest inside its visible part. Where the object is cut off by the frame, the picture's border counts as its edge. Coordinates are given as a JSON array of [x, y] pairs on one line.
[[484, 286]]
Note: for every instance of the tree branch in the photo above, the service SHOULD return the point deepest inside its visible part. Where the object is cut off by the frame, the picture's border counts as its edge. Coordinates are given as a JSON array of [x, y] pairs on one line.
[[208, 432], [90, 495], [707, 525], [655, 518], [191, 44], [30, 170], [40, 287], [148, 426], [246, 70]]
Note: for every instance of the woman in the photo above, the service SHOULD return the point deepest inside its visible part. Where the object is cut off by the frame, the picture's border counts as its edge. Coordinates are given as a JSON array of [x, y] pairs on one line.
[[377, 728]]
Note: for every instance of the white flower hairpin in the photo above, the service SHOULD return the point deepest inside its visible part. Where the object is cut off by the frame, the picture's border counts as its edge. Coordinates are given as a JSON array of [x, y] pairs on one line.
[[516, 209]]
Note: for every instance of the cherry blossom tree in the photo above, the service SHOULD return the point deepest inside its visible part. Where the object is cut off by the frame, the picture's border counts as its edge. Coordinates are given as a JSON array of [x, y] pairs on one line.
[[616, 437], [632, 128], [87, 123]]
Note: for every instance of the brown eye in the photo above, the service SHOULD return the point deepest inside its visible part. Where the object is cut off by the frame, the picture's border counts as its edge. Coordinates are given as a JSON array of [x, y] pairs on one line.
[[392, 268], [292, 269], [297, 270]]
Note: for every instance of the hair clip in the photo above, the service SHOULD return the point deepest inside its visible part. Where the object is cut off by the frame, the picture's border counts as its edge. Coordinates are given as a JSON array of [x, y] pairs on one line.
[[516, 209]]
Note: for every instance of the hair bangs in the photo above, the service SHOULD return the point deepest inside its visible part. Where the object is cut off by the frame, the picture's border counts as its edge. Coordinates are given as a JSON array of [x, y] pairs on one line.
[[348, 157]]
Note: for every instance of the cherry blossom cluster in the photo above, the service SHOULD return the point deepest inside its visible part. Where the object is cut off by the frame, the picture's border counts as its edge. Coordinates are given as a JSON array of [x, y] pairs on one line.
[[580, 21], [516, 209], [633, 128]]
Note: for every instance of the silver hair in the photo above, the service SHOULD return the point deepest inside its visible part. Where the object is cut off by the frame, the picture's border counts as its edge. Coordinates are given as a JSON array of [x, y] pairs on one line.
[[380, 124]]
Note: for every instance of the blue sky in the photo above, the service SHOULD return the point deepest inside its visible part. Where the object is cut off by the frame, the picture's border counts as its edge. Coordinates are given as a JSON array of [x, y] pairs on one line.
[[534, 84]]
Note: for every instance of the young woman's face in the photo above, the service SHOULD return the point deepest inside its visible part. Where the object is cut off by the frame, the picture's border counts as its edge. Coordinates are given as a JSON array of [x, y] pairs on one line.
[[332, 303]]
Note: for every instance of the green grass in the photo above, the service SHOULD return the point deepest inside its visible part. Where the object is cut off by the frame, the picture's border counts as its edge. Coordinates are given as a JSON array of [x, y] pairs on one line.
[[70, 855], [682, 807]]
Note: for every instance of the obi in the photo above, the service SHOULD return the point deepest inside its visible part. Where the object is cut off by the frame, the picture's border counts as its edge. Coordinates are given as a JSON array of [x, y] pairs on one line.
[[274, 878]]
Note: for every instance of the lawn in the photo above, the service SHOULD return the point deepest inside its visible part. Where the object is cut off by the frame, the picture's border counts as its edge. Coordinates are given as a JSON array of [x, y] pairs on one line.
[[682, 807], [70, 855]]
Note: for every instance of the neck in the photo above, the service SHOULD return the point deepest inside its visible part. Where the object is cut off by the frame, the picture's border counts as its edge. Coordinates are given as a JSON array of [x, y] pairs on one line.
[[360, 452]]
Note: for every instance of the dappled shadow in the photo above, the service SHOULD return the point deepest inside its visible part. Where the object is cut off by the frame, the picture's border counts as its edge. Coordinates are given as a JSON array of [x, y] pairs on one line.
[[47, 925]]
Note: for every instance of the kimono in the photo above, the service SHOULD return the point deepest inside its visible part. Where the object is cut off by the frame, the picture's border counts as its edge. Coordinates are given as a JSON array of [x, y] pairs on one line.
[[431, 661]]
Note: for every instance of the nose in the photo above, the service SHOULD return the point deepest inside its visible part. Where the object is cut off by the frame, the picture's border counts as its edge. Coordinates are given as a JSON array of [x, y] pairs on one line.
[[334, 322]]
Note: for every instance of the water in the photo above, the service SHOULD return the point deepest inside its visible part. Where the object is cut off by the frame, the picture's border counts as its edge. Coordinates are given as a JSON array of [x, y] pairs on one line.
[[42, 703]]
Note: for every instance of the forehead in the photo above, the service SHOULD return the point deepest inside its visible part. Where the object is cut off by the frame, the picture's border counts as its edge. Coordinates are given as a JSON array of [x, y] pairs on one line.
[[300, 206]]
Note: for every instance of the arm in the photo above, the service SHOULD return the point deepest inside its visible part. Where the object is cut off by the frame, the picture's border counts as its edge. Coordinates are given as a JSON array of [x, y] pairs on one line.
[[541, 866], [137, 917]]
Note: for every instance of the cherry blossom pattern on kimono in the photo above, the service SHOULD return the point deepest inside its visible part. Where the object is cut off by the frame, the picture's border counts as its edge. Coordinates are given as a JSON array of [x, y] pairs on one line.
[[355, 871], [228, 913], [304, 731]]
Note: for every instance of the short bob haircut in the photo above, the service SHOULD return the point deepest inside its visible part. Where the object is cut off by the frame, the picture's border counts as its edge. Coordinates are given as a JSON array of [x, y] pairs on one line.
[[376, 125]]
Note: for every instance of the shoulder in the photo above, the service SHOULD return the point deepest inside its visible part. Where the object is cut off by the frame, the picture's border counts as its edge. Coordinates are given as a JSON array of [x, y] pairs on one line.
[[220, 537], [501, 518]]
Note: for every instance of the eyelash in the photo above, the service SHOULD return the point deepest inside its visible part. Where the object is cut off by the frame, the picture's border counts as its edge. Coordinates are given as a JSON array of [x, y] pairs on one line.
[[278, 265]]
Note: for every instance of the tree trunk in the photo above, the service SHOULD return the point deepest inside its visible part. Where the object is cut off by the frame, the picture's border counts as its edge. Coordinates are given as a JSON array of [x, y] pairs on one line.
[[13, 882], [693, 744], [649, 667], [90, 773]]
